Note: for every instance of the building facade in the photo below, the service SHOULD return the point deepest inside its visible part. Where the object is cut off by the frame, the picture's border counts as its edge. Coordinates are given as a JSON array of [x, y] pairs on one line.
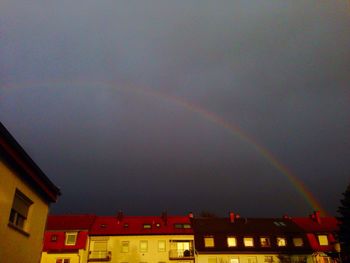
[[25, 196]]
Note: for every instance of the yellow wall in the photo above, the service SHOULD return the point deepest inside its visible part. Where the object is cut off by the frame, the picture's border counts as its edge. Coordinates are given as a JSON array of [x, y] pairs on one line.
[[134, 255], [243, 258], [15, 246], [74, 258]]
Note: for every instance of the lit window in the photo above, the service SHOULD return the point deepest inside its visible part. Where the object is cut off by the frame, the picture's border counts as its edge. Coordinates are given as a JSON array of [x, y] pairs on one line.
[[298, 242], [187, 226], [143, 246], [231, 242], [264, 242], [234, 260], [147, 226], [281, 242], [209, 241], [268, 259], [53, 238], [71, 238], [161, 245], [323, 240], [248, 242], [125, 247], [19, 210]]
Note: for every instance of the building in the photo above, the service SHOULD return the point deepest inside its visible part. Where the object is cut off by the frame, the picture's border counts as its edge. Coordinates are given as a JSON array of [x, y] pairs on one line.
[[321, 233], [252, 240], [25, 196], [145, 239], [66, 239]]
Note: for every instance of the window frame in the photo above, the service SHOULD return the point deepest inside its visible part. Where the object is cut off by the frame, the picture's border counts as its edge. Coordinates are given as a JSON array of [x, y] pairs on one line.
[[245, 239], [143, 249], [124, 246], [231, 238], [295, 243], [262, 239], [209, 241], [19, 213], [159, 247], [319, 238], [284, 239], [67, 242]]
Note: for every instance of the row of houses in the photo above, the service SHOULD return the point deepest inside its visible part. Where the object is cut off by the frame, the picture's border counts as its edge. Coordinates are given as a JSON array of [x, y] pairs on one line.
[[189, 239]]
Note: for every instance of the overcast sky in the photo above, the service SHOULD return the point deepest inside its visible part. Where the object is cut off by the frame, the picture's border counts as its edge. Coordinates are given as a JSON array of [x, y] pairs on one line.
[[112, 100]]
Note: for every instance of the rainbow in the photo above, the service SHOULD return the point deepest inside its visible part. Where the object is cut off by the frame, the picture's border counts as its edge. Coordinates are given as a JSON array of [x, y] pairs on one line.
[[234, 129]]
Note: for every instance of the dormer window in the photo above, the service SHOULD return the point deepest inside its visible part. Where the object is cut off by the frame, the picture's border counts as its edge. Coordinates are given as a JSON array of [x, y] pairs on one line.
[[147, 226], [265, 242], [71, 238], [231, 242], [209, 241], [248, 242], [298, 242], [323, 240], [281, 242]]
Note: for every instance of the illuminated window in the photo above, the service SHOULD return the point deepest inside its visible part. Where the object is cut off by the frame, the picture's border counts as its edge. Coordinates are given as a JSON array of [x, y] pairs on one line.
[[53, 238], [268, 259], [125, 246], [323, 240], [209, 241], [143, 246], [161, 245], [298, 242], [231, 242], [248, 242], [234, 260], [281, 242], [71, 238], [147, 226], [265, 242], [19, 210]]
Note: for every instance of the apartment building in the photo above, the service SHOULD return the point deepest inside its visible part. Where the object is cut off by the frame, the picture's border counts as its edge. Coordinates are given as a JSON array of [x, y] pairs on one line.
[[25, 196]]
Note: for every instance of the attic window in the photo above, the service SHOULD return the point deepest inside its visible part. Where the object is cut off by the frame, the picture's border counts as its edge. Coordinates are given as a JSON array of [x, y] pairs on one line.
[[126, 225], [147, 226], [298, 242], [53, 238], [281, 242], [71, 238], [209, 241], [323, 240], [180, 226]]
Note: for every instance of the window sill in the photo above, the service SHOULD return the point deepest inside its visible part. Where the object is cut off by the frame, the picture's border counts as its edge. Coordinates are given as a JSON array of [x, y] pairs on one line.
[[13, 226]]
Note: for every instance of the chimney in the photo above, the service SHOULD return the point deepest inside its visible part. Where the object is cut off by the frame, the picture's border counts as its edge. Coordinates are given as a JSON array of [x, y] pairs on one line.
[[232, 217], [165, 217], [120, 215], [190, 215]]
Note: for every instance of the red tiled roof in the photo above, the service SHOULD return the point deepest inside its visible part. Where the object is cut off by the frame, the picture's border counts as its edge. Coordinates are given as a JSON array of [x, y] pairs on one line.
[[58, 245], [134, 225], [326, 224], [69, 222]]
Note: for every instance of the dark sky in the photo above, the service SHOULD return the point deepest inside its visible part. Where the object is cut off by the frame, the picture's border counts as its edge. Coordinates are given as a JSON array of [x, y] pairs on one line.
[[105, 97]]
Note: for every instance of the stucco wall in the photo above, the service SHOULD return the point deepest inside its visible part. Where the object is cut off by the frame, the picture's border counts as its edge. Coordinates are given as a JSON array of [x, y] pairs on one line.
[[16, 246]]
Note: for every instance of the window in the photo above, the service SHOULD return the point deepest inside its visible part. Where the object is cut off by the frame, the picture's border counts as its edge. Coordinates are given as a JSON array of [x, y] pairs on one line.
[[53, 238], [281, 242], [268, 259], [71, 238], [63, 260], [234, 260], [248, 242], [19, 210], [125, 246], [147, 226], [212, 260], [209, 241], [180, 226], [161, 245], [265, 242], [323, 240], [298, 242], [143, 246], [231, 242], [99, 250]]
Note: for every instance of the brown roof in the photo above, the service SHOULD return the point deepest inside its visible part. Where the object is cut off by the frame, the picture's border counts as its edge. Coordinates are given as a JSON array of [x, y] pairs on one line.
[[271, 228]]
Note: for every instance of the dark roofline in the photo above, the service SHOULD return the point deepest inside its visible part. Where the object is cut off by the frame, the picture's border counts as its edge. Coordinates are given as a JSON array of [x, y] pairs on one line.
[[17, 156]]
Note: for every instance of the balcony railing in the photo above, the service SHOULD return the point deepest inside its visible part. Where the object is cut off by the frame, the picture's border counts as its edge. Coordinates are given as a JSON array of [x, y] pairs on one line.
[[181, 254], [95, 256]]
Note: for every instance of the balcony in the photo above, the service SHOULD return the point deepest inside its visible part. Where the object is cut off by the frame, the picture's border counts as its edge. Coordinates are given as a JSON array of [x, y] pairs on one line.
[[181, 254], [99, 256]]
